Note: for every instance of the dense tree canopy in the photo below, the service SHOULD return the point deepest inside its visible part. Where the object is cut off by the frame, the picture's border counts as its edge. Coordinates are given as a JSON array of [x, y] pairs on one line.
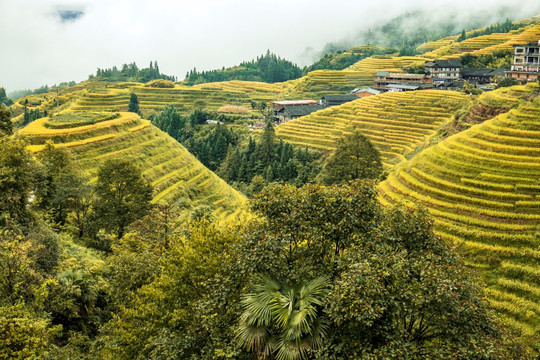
[[267, 68], [122, 196], [326, 273], [6, 127], [355, 157]]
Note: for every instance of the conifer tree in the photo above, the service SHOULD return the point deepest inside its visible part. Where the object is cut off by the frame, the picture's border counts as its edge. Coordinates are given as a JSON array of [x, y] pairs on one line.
[[6, 127], [133, 103]]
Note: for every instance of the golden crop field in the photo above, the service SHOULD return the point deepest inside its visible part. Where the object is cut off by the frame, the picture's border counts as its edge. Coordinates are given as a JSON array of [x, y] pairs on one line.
[[482, 187], [487, 44], [177, 176], [396, 63], [211, 96], [397, 123]]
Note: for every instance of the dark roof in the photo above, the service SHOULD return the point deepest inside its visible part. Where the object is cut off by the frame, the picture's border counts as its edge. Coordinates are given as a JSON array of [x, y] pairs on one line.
[[476, 72], [346, 97], [499, 72], [529, 44], [445, 63], [301, 110]]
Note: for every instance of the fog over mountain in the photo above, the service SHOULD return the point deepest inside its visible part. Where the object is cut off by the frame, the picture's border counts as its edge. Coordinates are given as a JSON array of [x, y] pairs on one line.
[[50, 41]]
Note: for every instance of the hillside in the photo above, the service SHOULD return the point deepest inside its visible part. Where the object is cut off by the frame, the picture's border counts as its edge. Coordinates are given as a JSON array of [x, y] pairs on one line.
[[481, 186], [485, 44], [487, 106], [177, 176], [396, 123]]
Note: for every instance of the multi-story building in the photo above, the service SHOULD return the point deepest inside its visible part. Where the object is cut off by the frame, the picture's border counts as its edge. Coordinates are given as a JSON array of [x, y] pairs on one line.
[[526, 65], [382, 79], [444, 70]]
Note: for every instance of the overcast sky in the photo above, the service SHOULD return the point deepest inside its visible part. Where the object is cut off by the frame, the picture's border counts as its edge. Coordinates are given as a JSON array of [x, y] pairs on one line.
[[39, 47]]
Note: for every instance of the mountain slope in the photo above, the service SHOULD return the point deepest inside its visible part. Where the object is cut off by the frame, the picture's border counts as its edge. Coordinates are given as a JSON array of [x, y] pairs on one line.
[[177, 176], [396, 123], [482, 188]]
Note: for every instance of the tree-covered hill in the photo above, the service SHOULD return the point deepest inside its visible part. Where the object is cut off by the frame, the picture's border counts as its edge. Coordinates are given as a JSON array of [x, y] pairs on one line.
[[268, 68], [131, 72]]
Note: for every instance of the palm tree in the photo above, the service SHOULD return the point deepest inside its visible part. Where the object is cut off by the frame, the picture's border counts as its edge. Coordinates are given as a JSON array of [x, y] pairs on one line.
[[284, 321]]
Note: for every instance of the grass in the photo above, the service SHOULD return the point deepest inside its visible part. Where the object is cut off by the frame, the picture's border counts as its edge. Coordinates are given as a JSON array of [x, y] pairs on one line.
[[481, 186]]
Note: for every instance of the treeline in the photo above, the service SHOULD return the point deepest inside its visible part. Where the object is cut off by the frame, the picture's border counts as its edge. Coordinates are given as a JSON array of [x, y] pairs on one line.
[[495, 28], [40, 90], [268, 160], [497, 59], [131, 72], [247, 163], [341, 59], [268, 68]]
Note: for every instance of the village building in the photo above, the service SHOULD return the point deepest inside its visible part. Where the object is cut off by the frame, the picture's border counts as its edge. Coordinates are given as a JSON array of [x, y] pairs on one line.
[[451, 85], [481, 76], [444, 70], [290, 112], [285, 110], [365, 92], [408, 87], [334, 100], [382, 79], [526, 65], [279, 105]]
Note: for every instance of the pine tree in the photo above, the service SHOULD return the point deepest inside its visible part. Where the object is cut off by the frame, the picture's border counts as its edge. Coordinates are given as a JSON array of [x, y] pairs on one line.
[[6, 127], [133, 103]]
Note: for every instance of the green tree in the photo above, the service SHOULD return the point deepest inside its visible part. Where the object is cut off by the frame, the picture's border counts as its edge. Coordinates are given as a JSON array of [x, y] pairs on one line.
[[6, 127], [24, 335], [462, 36], [189, 309], [354, 158], [122, 196], [133, 103], [390, 275], [282, 320], [506, 82], [266, 151], [18, 171], [4, 99], [58, 186]]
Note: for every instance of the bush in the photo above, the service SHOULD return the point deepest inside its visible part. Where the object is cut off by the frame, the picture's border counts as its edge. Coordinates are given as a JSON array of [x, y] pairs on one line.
[[160, 83]]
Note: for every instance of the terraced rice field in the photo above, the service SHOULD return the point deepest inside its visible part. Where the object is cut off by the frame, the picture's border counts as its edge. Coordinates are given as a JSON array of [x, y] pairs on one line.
[[487, 44], [386, 63], [177, 176], [434, 45], [397, 123], [186, 98], [490, 104], [326, 82], [482, 187]]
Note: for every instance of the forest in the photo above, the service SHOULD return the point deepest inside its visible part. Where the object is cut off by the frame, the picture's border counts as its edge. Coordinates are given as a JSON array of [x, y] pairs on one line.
[[268, 68], [131, 72]]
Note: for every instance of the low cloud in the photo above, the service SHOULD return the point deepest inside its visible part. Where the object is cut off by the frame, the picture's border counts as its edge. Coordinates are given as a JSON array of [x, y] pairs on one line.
[[39, 49]]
